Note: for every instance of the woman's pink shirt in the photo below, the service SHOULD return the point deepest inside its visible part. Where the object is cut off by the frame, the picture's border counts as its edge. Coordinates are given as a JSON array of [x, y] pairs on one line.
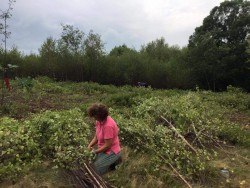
[[108, 129]]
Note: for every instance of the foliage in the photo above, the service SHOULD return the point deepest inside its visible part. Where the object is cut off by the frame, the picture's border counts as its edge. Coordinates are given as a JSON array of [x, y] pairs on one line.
[[235, 135], [49, 57], [59, 136], [218, 48], [159, 50], [18, 149], [145, 131], [71, 40], [93, 46], [25, 83], [62, 136], [79, 57], [234, 98], [217, 56], [121, 50], [142, 129], [122, 99]]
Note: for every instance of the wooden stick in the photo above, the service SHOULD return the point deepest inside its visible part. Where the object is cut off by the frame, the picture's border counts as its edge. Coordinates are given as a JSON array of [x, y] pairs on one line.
[[176, 172], [94, 178], [179, 175], [183, 139], [197, 134]]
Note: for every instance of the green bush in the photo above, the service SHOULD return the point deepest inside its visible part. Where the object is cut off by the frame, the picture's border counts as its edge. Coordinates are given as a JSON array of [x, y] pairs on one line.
[[25, 83], [18, 149], [235, 134], [61, 137]]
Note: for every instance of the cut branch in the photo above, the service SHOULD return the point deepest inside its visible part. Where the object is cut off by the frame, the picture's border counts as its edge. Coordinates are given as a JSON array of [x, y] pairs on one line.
[[183, 139], [86, 176], [197, 134], [176, 172], [98, 181]]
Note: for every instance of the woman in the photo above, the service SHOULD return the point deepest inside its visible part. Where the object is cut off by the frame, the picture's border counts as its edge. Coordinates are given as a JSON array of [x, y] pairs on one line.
[[106, 137]]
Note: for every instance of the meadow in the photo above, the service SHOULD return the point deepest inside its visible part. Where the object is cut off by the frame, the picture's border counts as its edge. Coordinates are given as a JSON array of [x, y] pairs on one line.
[[170, 138]]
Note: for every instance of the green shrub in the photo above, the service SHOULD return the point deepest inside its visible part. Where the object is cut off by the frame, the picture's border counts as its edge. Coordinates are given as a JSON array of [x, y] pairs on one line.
[[61, 137], [25, 83], [125, 99], [235, 134], [18, 149]]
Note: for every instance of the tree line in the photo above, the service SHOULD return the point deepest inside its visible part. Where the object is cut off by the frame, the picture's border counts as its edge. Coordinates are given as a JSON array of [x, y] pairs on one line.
[[217, 55]]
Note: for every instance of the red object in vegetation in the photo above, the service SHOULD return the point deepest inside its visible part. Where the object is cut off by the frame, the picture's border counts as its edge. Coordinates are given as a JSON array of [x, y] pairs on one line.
[[7, 83]]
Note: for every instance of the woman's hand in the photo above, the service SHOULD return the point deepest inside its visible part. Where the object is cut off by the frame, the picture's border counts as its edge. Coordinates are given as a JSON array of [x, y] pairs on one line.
[[92, 143], [90, 147], [105, 147]]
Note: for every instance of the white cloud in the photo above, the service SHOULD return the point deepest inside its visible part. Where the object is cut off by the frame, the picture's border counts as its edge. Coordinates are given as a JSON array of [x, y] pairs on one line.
[[133, 22]]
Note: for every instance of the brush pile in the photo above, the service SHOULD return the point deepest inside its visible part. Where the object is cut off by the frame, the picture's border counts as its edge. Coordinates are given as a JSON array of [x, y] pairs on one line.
[[86, 177]]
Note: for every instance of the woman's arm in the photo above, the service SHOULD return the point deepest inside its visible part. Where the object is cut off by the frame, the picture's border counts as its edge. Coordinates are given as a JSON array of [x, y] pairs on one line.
[[105, 147], [92, 143]]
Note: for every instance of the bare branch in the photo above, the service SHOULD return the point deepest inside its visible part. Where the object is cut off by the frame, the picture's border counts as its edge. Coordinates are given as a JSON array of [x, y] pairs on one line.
[[176, 172], [183, 139]]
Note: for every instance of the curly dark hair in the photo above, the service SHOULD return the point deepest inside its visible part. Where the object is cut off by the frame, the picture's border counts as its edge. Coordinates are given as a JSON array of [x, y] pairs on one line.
[[98, 110]]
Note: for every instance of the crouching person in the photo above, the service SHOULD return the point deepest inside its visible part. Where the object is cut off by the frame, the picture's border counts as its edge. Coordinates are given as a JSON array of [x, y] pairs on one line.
[[106, 138]]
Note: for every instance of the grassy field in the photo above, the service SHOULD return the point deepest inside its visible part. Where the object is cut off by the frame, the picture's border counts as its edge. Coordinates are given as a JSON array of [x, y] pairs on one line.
[[44, 128]]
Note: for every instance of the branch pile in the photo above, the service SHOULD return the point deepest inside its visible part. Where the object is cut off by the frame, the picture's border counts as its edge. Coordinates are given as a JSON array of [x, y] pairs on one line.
[[86, 177]]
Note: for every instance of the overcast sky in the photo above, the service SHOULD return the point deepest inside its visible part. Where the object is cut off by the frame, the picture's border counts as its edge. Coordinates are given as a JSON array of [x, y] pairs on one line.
[[130, 22]]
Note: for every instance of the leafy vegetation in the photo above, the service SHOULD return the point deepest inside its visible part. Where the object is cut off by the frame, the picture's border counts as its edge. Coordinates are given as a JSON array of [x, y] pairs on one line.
[[170, 137], [58, 134], [215, 46]]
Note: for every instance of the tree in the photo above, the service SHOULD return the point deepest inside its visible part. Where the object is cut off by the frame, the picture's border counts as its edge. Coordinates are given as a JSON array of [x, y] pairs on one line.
[[121, 50], [70, 51], [31, 66], [93, 46], [5, 15], [157, 49], [48, 53], [71, 39], [218, 48], [125, 66], [93, 52]]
